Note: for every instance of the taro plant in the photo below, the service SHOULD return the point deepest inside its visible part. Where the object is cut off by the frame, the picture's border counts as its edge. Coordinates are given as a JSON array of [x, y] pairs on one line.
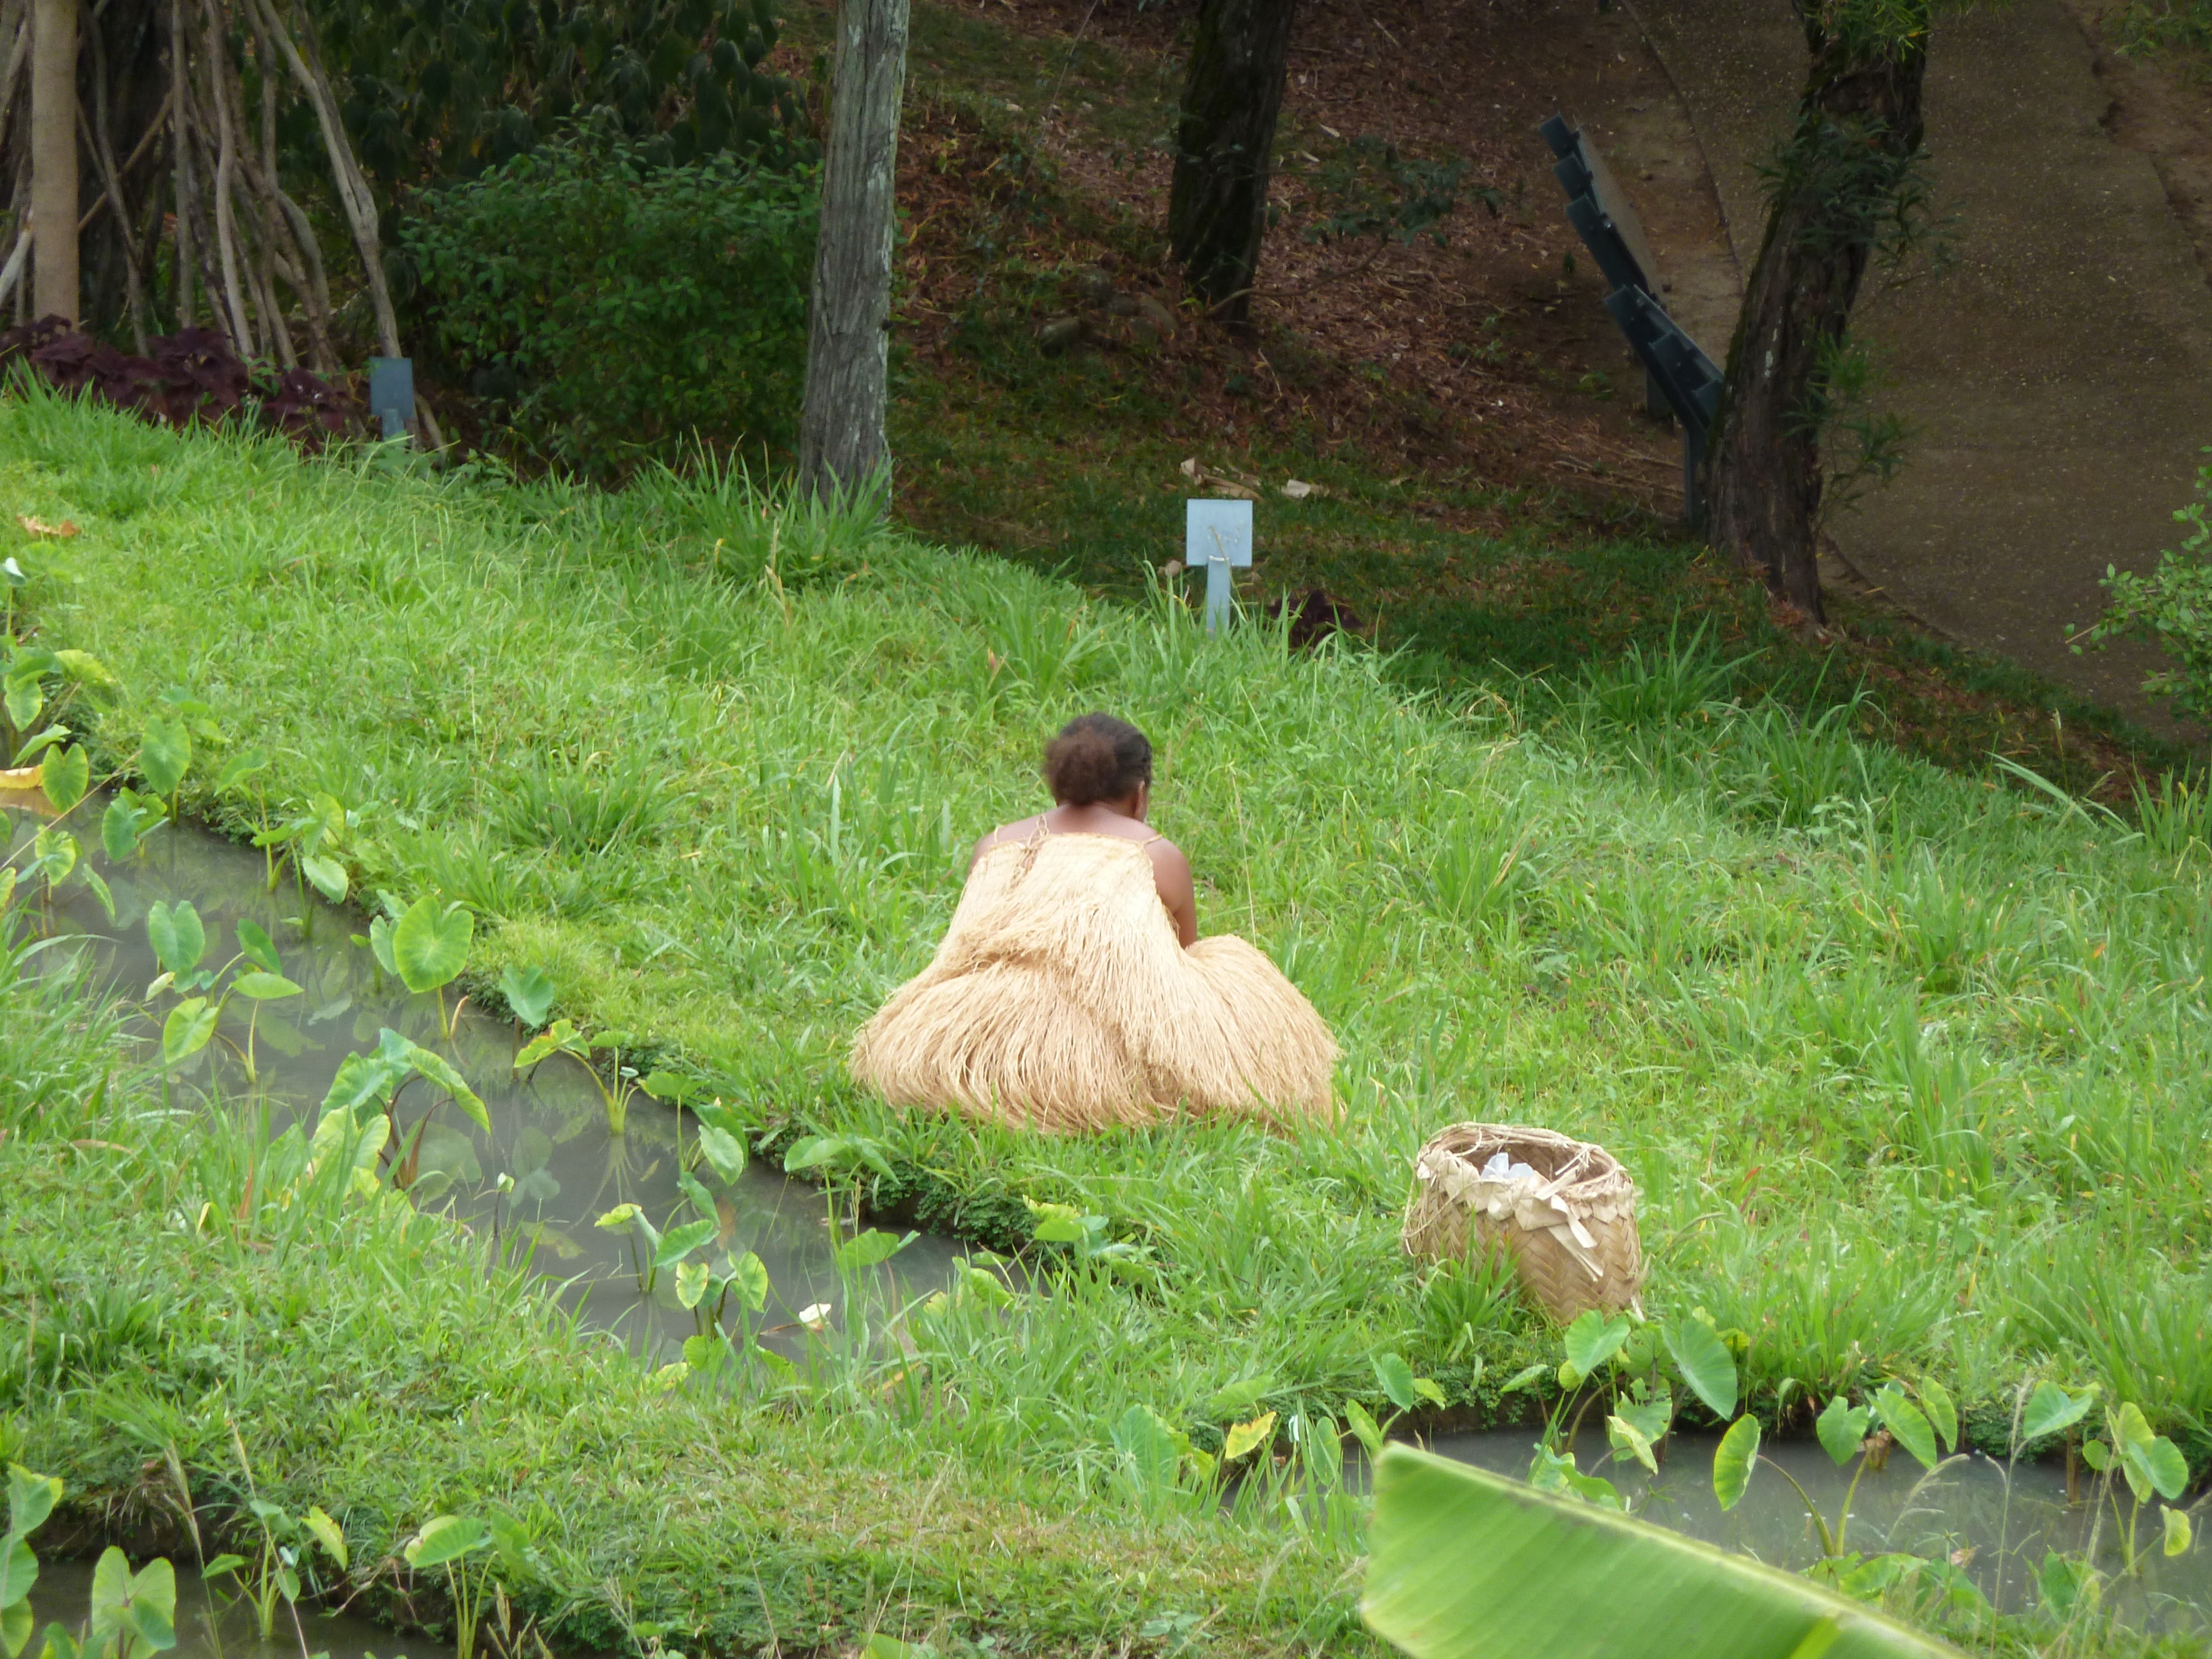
[[721, 1142], [1617, 1361], [310, 836], [1890, 1418], [375, 1081], [562, 1037], [133, 1615], [653, 1251], [180, 942], [745, 1278], [529, 991], [2149, 1465], [31, 1499], [37, 683], [129, 819], [424, 947], [1087, 1238], [34, 681], [461, 1545], [1404, 1390], [274, 1577], [55, 858], [1163, 1471], [167, 744]]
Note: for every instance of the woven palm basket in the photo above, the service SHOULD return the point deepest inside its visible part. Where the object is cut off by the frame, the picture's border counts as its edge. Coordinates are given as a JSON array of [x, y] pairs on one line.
[[1571, 1235]]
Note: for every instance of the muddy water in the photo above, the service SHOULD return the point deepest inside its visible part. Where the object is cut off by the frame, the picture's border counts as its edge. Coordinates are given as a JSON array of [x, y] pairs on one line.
[[547, 1169], [1993, 1521], [213, 1625]]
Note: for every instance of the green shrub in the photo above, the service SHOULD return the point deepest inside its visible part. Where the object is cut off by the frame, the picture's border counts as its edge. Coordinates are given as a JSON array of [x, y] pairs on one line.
[[2147, 27], [2172, 607], [444, 89], [608, 310]]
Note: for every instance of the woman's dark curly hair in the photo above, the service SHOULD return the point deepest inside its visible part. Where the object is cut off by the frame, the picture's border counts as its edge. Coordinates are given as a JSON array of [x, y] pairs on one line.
[[1096, 757]]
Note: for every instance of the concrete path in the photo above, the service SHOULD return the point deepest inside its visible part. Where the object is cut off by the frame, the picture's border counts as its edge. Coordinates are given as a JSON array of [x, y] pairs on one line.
[[2060, 372]]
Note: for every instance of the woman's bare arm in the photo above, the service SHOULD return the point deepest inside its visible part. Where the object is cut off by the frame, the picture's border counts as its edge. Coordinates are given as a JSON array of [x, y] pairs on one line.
[[1171, 878]]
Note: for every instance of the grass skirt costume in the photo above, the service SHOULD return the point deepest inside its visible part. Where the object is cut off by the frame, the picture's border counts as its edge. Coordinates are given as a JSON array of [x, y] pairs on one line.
[[1060, 999]]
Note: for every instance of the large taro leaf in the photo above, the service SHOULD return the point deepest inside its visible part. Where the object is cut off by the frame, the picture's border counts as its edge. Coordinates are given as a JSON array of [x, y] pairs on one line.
[[430, 942], [1466, 1564]]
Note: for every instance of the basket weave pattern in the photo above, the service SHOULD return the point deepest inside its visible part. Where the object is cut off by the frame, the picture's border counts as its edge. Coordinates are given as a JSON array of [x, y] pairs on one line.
[[1571, 1235]]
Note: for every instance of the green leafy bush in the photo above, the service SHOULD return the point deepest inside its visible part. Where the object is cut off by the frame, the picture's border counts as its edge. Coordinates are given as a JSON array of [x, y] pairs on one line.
[[2172, 606], [2147, 28], [608, 309], [445, 89]]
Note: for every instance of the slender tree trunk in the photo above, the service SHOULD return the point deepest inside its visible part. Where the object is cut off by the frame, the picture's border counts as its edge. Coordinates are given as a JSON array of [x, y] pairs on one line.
[[1224, 147], [1843, 189], [54, 196], [840, 423]]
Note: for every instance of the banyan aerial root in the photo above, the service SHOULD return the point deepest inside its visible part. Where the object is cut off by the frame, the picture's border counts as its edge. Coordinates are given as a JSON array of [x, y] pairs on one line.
[[180, 103]]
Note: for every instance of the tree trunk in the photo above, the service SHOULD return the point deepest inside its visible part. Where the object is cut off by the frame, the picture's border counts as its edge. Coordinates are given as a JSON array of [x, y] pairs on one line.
[[1225, 146], [1842, 193], [55, 291], [841, 444]]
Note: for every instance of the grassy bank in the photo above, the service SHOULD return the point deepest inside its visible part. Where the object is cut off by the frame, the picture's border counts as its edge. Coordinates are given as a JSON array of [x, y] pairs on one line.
[[1909, 1064]]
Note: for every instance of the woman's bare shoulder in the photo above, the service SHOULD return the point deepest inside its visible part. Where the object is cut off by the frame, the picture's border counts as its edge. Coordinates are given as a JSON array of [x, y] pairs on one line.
[[1166, 855], [1006, 832]]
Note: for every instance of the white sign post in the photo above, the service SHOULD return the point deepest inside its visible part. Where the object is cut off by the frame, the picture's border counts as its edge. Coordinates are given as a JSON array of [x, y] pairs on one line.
[[1218, 537]]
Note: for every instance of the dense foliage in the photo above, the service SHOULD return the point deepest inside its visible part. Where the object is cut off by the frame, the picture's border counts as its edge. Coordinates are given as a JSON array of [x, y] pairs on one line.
[[445, 89], [608, 308]]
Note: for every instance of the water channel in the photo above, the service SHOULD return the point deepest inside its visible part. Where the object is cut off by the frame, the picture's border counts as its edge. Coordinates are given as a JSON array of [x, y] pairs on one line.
[[549, 1167], [549, 1138], [213, 1624]]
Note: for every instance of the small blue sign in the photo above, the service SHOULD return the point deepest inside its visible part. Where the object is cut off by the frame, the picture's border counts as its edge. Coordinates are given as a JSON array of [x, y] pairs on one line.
[[1216, 529], [1216, 538], [392, 393]]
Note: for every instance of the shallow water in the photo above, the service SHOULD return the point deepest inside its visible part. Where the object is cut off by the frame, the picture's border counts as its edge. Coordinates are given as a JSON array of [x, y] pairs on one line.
[[213, 1625], [549, 1126], [1993, 1521]]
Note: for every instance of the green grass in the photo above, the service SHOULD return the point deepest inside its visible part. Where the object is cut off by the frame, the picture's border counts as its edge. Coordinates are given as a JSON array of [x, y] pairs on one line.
[[1909, 1064], [163, 1289]]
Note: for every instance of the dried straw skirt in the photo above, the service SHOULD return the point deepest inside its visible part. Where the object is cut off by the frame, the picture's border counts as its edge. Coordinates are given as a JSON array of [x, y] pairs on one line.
[[1062, 999]]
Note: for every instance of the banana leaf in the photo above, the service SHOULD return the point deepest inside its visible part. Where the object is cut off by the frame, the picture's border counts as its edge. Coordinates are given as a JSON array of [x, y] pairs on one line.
[[1466, 1564]]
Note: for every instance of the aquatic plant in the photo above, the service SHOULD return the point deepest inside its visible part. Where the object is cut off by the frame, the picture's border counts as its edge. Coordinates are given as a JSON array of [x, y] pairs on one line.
[[31, 1499], [561, 1037], [274, 1577], [2150, 1465], [180, 942], [133, 1615], [529, 993], [461, 1545], [1867, 1433]]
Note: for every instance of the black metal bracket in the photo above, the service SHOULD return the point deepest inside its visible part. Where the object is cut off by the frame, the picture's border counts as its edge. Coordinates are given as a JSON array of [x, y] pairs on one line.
[[1678, 375]]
